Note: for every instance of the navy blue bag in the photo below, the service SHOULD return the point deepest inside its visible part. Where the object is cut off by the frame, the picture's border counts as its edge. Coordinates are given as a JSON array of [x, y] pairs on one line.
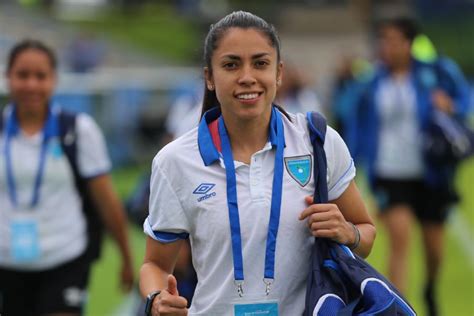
[[340, 282], [448, 140]]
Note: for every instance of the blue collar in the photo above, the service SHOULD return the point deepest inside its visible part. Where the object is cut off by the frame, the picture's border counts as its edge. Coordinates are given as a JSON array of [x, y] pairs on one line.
[[209, 152], [12, 128]]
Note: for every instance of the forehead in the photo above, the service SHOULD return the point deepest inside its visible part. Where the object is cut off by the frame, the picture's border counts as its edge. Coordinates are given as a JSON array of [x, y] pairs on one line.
[[243, 42], [32, 58], [390, 31]]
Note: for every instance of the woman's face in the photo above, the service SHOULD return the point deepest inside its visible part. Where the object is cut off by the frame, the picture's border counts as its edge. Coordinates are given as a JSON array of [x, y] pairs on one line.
[[31, 80], [394, 48], [245, 74]]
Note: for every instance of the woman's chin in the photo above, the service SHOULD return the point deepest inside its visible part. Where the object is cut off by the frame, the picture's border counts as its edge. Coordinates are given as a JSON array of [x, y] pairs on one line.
[[32, 106], [252, 113]]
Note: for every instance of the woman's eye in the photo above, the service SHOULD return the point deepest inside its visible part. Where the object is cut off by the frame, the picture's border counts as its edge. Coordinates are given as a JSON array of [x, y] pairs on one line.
[[41, 76], [22, 75], [230, 65], [261, 63]]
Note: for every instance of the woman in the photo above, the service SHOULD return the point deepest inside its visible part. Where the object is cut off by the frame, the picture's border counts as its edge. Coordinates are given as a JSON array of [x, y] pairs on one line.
[[44, 265], [224, 185], [395, 109]]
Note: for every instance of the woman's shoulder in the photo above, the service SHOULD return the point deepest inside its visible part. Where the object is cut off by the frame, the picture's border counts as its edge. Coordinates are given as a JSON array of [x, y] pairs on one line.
[[86, 123], [296, 121], [299, 123]]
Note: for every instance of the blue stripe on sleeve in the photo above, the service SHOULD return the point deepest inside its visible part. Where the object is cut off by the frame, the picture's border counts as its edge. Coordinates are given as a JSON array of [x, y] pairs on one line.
[[165, 237]]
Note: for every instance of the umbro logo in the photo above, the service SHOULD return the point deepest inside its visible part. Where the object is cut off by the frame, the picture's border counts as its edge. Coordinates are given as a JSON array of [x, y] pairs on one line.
[[203, 190]]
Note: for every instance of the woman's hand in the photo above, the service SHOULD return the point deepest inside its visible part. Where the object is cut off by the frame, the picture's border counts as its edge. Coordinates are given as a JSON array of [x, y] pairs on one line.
[[326, 220], [126, 276], [168, 302], [442, 101]]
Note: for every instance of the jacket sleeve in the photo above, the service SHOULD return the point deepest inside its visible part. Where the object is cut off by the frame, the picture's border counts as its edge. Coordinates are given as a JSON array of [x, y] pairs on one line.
[[453, 81]]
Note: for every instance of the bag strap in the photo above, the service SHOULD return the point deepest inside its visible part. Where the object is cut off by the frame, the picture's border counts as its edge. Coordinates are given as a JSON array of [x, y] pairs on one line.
[[317, 130], [2, 114], [68, 138], [317, 133]]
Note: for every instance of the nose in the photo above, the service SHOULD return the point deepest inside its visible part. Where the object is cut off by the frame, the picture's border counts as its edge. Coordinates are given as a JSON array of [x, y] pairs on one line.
[[31, 83], [247, 76]]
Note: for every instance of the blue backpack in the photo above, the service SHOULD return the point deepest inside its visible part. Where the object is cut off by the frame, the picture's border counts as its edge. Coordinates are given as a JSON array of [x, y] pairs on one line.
[[68, 140], [340, 282]]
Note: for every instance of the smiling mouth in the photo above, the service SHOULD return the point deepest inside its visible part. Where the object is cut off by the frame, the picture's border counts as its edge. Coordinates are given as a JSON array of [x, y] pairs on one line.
[[33, 99], [248, 96]]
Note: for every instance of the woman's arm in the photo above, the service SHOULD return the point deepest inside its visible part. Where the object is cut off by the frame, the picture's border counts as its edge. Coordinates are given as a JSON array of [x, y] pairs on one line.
[[452, 96], [156, 274], [111, 211], [353, 209], [333, 220]]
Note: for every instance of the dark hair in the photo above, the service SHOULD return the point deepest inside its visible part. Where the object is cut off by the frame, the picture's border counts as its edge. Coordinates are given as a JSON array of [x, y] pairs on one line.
[[28, 44], [238, 19], [407, 26]]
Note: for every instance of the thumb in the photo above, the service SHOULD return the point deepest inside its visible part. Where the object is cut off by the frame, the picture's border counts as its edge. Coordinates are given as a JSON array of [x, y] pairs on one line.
[[172, 285], [309, 199]]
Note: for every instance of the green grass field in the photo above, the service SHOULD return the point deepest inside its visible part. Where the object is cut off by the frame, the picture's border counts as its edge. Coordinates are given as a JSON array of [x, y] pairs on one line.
[[148, 29], [457, 278]]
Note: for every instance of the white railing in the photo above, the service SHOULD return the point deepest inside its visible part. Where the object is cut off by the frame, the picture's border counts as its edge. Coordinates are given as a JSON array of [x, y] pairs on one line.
[[108, 95], [110, 78]]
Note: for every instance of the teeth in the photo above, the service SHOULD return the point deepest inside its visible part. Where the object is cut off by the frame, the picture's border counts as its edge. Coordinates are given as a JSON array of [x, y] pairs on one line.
[[248, 96]]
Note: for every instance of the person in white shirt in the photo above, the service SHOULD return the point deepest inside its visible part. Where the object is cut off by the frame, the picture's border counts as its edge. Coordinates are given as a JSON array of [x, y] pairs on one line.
[[44, 262], [239, 187]]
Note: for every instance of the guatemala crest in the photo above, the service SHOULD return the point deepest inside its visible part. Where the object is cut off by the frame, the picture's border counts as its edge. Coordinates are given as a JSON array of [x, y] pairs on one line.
[[299, 168]]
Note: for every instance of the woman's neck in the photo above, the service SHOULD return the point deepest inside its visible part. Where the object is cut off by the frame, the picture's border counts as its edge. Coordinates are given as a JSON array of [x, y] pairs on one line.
[[31, 122], [401, 69], [247, 137]]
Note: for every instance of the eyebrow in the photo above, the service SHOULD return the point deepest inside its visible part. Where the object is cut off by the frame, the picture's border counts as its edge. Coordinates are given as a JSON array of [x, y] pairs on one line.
[[236, 57]]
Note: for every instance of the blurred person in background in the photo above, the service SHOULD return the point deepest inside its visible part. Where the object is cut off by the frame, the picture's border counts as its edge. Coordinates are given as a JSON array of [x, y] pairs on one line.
[[229, 172], [184, 112], [85, 53], [351, 75], [294, 94], [45, 250], [393, 113]]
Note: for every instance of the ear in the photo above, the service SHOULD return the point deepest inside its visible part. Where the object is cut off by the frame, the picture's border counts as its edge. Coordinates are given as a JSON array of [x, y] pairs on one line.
[[279, 77], [209, 79]]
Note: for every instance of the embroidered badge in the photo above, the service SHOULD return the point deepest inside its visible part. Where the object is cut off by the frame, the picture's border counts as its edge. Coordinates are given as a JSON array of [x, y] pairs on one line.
[[299, 168]]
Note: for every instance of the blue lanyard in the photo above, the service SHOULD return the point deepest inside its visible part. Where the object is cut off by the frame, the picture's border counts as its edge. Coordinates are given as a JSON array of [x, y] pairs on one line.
[[276, 127], [12, 129]]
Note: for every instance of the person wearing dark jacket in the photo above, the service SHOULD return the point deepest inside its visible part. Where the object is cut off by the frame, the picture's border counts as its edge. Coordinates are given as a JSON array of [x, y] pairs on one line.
[[393, 112]]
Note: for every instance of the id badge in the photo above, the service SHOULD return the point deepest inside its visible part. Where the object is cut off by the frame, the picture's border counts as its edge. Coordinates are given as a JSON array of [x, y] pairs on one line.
[[256, 308], [24, 240]]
